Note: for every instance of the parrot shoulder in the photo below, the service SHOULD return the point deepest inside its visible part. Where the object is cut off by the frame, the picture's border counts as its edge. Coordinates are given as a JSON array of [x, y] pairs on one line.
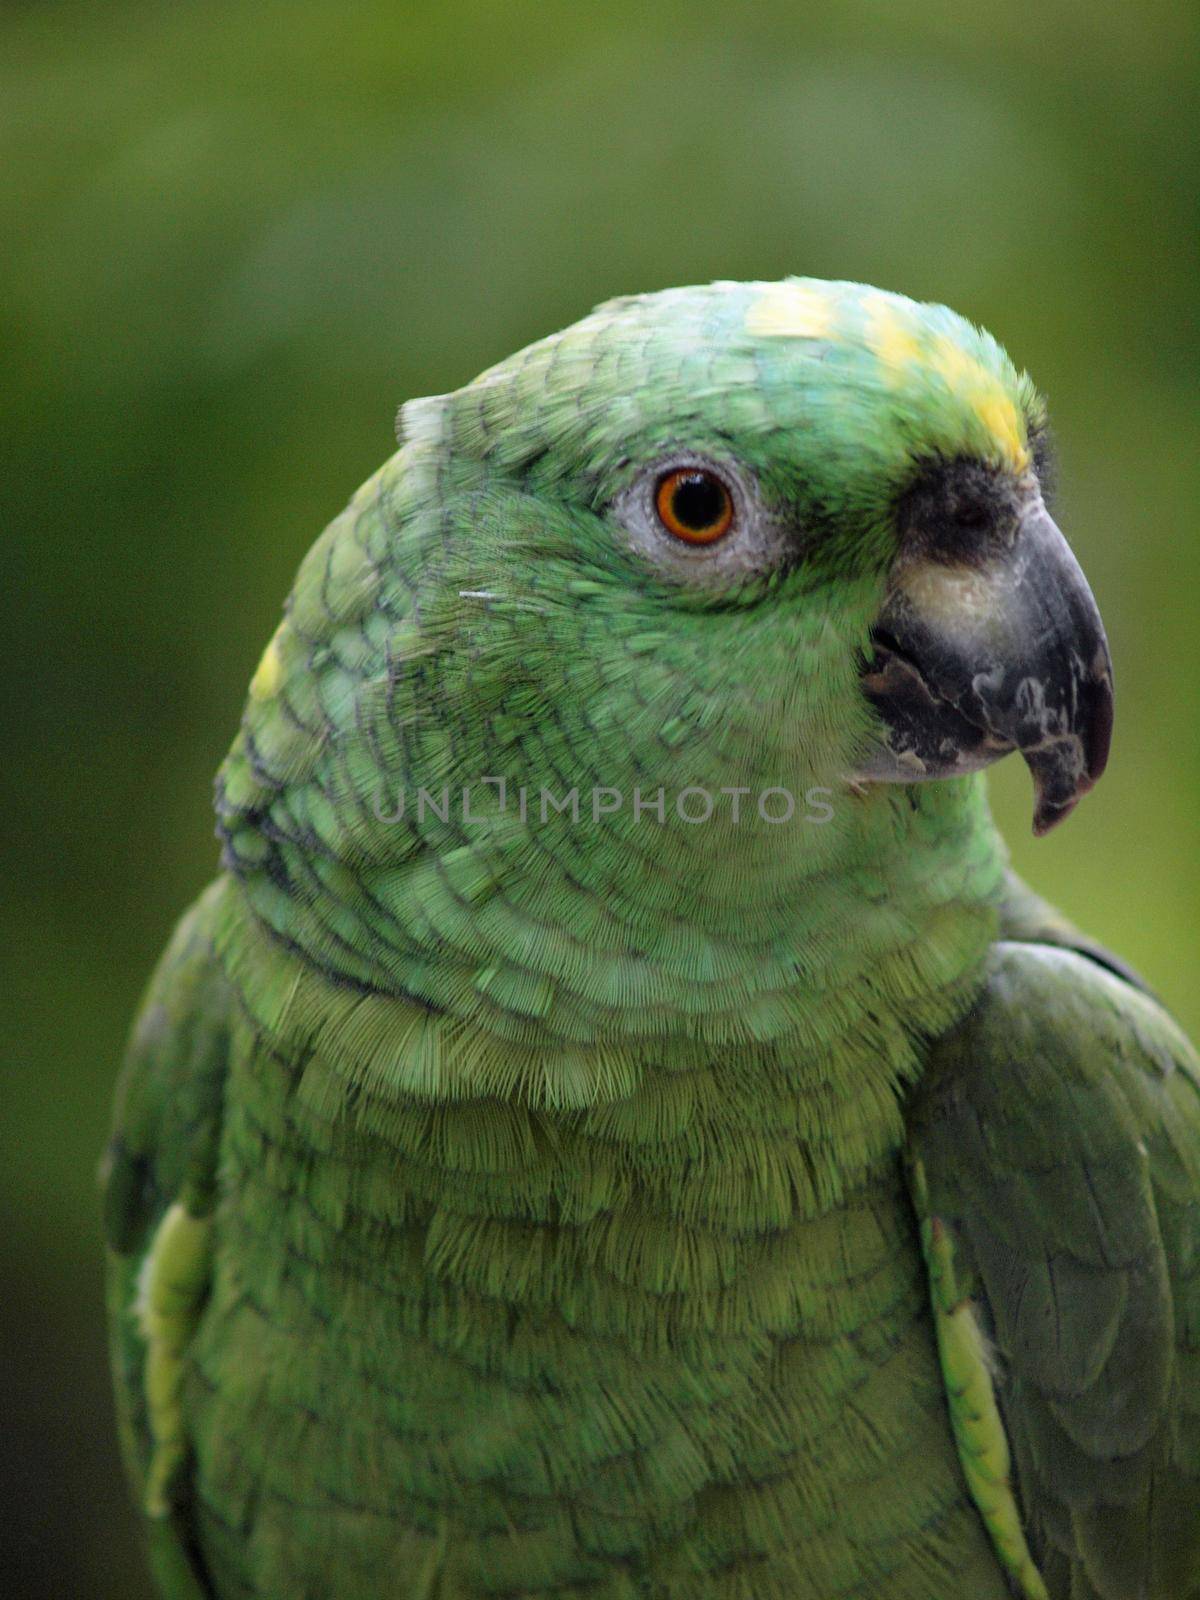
[[1054, 1161], [158, 1182]]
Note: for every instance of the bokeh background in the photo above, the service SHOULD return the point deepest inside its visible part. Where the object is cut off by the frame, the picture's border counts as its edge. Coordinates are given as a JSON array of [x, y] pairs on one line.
[[237, 236]]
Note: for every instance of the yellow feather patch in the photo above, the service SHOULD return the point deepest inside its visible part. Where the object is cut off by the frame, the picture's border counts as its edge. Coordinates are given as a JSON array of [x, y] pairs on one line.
[[791, 311], [975, 1420], [171, 1288], [999, 417], [890, 335], [268, 675], [967, 377]]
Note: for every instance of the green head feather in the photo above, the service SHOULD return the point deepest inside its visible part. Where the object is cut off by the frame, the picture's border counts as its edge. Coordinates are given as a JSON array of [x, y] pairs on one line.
[[499, 601]]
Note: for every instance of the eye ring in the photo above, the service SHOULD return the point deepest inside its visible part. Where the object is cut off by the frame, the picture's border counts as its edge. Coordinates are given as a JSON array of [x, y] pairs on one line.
[[694, 505]]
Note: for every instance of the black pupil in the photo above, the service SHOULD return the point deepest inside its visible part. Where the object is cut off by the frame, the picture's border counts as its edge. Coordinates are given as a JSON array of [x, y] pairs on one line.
[[698, 501]]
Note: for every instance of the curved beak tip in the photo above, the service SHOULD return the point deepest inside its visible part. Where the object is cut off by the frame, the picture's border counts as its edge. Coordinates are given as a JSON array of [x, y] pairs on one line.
[[1048, 814], [1067, 770]]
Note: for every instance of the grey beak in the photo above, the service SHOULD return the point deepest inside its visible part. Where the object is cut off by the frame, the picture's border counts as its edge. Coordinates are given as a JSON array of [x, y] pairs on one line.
[[975, 659]]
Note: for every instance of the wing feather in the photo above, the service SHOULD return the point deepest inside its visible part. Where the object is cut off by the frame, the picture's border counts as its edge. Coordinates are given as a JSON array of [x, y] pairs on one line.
[[1058, 1140]]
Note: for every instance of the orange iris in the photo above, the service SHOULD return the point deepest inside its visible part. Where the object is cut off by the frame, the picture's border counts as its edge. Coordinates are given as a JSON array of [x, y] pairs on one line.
[[694, 505]]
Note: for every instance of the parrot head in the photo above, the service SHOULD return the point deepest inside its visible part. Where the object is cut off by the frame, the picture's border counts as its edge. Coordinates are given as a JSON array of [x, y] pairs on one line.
[[804, 520], [781, 545]]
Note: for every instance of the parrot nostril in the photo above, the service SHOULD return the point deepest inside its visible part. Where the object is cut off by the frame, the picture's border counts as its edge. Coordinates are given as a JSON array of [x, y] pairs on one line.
[[972, 518]]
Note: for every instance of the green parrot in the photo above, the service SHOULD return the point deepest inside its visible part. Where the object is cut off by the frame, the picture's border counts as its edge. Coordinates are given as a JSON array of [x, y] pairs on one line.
[[615, 1127]]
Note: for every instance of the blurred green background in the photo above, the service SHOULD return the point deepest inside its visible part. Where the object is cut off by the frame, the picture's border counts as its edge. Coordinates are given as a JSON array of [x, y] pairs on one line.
[[239, 235]]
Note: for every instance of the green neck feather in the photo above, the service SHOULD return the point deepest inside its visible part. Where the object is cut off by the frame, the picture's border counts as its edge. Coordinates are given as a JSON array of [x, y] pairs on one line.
[[548, 961]]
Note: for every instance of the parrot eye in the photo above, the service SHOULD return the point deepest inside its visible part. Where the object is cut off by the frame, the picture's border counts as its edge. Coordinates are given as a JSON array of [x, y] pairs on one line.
[[701, 521], [694, 505]]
